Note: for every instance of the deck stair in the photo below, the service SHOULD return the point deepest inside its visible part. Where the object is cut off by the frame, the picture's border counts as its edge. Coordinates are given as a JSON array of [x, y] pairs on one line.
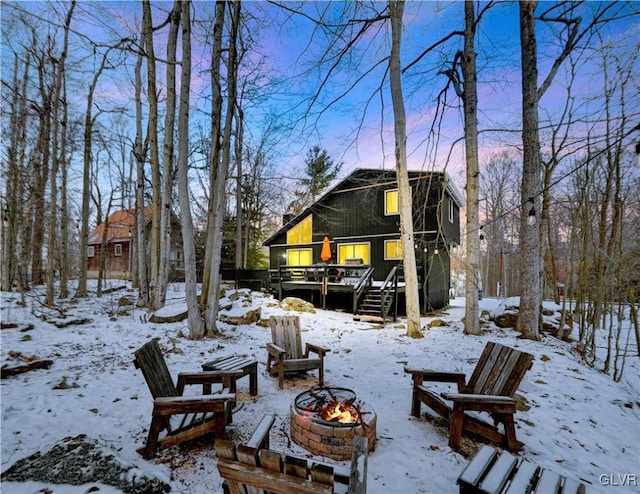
[[374, 306]]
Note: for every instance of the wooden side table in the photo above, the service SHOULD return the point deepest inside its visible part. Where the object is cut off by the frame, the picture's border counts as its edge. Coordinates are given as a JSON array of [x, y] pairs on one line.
[[247, 366]]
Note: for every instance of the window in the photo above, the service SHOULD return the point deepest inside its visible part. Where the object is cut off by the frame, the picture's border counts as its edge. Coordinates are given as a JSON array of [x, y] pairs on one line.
[[392, 249], [353, 251], [392, 201], [391, 204], [91, 251], [450, 210], [299, 257], [117, 249], [301, 233]]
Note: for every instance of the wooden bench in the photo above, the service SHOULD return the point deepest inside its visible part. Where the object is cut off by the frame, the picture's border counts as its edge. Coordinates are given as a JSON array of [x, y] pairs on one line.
[[491, 389], [255, 469], [493, 472]]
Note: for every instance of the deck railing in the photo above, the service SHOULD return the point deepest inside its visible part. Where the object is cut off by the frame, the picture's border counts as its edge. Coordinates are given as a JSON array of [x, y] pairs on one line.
[[388, 289], [361, 287]]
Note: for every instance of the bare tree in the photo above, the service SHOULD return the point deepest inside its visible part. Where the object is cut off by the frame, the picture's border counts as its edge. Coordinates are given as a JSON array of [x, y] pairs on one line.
[[154, 156], [238, 145], [563, 14], [13, 228], [404, 189], [53, 217], [139, 151], [215, 235], [89, 121], [470, 98], [499, 187], [529, 316], [167, 161], [214, 140], [196, 326]]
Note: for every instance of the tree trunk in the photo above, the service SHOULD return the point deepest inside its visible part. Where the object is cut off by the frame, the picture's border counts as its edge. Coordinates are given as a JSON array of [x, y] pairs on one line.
[[18, 230], [39, 179], [12, 208], [154, 157], [470, 98], [53, 259], [64, 206], [239, 171], [213, 300], [139, 238], [167, 159], [81, 291], [529, 316], [196, 327], [104, 246], [216, 118], [404, 189]]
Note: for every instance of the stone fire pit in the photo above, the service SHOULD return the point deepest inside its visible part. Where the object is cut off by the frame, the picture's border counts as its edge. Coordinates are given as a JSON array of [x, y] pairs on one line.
[[316, 425]]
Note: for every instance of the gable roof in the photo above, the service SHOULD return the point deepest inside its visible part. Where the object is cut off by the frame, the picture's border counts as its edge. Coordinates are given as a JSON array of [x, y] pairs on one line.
[[121, 223], [372, 177]]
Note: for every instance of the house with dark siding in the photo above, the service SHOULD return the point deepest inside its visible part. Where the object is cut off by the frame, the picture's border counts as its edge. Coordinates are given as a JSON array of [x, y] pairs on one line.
[[360, 220]]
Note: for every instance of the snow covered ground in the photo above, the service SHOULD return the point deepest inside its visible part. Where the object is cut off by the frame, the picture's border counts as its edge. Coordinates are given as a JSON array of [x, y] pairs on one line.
[[580, 423]]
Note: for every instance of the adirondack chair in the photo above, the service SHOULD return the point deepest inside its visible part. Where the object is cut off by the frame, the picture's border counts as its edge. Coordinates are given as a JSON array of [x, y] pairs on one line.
[[253, 468], [182, 418], [494, 472], [285, 355], [491, 389]]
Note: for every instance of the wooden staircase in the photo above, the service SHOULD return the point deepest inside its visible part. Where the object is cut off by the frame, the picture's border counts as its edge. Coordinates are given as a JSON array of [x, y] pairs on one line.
[[374, 306]]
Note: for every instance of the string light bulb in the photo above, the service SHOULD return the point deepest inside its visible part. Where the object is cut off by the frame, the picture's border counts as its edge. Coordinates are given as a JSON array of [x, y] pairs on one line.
[[531, 218]]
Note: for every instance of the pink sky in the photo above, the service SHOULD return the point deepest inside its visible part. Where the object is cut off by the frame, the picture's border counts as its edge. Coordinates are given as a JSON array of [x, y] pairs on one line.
[[283, 51]]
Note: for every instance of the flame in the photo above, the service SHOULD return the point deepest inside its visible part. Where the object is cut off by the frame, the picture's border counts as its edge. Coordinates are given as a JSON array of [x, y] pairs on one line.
[[339, 412]]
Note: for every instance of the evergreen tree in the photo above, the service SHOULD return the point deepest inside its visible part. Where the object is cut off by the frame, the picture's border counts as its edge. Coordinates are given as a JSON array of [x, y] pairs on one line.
[[320, 171]]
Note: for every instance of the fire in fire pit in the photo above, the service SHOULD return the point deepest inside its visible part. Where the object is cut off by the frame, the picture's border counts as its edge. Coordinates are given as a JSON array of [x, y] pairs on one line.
[[344, 413], [324, 420], [330, 405]]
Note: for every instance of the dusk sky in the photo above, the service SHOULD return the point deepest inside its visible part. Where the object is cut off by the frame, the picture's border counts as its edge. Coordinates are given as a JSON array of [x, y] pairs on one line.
[[352, 115]]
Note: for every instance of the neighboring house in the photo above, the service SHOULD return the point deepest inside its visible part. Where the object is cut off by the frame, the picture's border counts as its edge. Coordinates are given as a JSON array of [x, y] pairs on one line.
[[120, 241], [360, 216]]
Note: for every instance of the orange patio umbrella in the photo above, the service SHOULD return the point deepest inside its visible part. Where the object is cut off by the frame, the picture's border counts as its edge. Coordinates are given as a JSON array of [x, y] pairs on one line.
[[325, 254]]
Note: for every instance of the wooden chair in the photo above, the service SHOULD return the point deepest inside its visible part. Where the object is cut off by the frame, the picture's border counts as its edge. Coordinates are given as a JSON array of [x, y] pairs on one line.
[[255, 469], [182, 417], [491, 389], [285, 354], [493, 472]]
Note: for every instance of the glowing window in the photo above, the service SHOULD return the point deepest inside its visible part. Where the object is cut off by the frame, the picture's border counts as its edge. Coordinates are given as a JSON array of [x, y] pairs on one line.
[[301, 233], [391, 204], [353, 251], [393, 249], [299, 257]]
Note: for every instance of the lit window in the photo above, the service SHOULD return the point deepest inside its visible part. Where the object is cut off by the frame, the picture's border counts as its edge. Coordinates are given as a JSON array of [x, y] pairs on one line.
[[391, 205], [91, 251], [117, 249], [353, 251], [299, 257], [393, 249], [301, 233]]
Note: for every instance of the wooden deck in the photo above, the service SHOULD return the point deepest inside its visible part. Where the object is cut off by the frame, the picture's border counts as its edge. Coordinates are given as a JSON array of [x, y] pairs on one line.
[[353, 282]]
